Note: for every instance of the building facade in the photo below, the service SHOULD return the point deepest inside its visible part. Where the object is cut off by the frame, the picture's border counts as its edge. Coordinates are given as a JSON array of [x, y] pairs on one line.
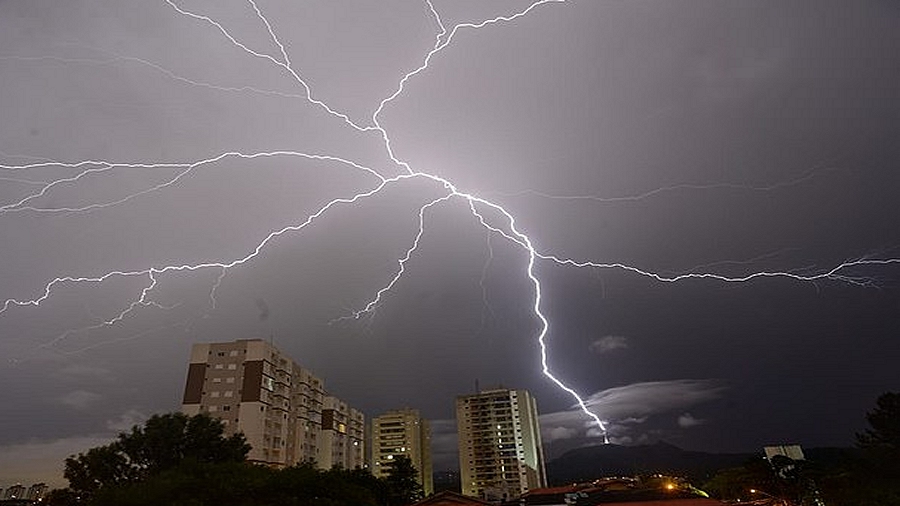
[[37, 492], [16, 491], [402, 432], [282, 409], [342, 436], [500, 452]]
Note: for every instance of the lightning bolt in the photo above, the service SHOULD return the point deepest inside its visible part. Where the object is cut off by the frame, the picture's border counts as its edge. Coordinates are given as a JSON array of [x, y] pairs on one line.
[[815, 172], [493, 217]]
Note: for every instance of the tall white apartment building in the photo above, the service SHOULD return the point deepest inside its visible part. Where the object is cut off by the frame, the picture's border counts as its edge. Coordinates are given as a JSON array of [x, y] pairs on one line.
[[282, 409], [402, 432], [500, 453]]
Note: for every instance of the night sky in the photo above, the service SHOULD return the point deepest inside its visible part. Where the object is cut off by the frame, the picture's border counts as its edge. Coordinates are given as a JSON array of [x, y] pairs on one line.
[[195, 171]]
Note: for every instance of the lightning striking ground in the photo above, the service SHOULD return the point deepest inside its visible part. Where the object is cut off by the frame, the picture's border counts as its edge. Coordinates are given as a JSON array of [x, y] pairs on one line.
[[490, 215]]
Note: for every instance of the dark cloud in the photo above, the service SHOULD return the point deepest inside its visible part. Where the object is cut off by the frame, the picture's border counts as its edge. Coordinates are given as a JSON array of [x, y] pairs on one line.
[[263, 309], [444, 445], [81, 399], [707, 136]]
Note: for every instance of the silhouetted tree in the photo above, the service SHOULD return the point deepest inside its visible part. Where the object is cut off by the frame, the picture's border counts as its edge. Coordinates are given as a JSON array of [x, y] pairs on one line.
[[179, 460], [61, 497], [875, 480], [403, 482], [882, 441], [103, 466], [164, 442], [735, 483], [167, 440]]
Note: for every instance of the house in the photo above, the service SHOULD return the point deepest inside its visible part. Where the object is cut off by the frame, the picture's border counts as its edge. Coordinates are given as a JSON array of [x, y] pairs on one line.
[[448, 498]]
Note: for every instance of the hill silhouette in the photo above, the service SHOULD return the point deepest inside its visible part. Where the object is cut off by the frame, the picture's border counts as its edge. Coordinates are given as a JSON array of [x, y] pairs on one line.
[[589, 463], [614, 460]]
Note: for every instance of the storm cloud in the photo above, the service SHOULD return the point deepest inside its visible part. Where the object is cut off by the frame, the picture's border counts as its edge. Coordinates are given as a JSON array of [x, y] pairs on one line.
[[195, 171]]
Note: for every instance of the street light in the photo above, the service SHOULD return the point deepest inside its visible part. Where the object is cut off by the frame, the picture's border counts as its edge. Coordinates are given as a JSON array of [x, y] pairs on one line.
[[780, 500]]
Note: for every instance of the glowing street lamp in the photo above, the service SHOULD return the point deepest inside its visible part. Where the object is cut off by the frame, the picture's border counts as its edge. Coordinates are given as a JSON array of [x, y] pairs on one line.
[[780, 500]]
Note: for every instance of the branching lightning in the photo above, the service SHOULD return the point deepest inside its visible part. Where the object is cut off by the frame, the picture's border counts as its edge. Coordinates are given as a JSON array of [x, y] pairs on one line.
[[674, 188], [493, 217]]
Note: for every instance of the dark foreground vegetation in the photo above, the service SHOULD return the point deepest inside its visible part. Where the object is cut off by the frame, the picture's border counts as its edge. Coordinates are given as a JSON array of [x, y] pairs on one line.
[[181, 460], [868, 475]]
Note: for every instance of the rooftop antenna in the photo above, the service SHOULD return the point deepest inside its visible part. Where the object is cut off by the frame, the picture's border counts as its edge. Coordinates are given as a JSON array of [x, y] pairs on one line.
[[477, 388]]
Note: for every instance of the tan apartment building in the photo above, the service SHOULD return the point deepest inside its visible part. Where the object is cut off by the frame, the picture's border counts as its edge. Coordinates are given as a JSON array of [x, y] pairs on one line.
[[282, 409], [402, 432], [500, 453], [342, 436]]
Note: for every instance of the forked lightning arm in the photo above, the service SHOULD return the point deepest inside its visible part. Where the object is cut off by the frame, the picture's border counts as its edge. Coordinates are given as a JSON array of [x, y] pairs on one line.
[[490, 215]]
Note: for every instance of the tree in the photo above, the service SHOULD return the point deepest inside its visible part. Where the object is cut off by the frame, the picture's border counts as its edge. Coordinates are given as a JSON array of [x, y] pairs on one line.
[[403, 482], [165, 442], [168, 440], [735, 483], [876, 480], [871, 476], [882, 440], [103, 466], [61, 497]]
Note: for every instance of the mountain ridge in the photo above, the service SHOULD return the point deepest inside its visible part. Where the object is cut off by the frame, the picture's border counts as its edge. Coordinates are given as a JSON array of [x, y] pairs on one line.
[[591, 462]]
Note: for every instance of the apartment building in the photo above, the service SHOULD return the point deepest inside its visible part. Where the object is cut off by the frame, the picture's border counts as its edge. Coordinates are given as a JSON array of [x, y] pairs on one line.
[[500, 453], [342, 436], [282, 409], [402, 432]]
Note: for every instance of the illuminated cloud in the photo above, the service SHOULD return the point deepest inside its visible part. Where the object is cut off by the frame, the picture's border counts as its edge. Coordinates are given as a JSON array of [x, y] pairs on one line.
[[609, 343], [628, 409], [653, 397], [81, 399], [562, 433], [126, 421], [687, 420]]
